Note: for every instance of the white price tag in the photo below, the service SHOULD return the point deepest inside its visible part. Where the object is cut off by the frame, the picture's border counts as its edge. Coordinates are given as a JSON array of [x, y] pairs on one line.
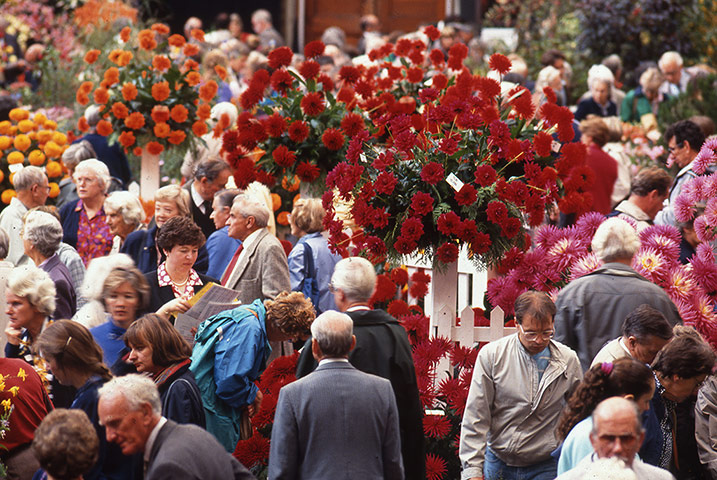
[[556, 146], [454, 182]]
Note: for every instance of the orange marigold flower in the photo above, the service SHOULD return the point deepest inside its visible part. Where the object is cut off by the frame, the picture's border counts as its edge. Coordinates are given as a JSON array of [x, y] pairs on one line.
[[135, 121], [193, 78], [154, 148], [146, 40], [177, 40], [197, 34], [15, 157], [161, 130], [160, 28], [86, 87], [101, 96], [137, 151], [36, 158], [59, 138], [190, 50], [82, 124], [199, 128], [104, 128], [208, 90], [53, 169], [204, 112], [120, 110], [160, 91], [124, 34], [221, 71], [22, 142], [114, 55], [50, 125], [92, 56], [111, 76], [179, 113], [160, 114], [129, 92], [177, 137], [124, 58], [161, 63], [104, 84], [126, 139]]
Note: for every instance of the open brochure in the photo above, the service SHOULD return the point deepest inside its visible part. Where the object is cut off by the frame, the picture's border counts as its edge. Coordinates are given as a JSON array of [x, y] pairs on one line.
[[210, 300]]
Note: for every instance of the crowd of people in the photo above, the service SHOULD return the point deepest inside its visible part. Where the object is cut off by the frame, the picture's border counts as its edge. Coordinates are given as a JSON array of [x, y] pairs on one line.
[[602, 382]]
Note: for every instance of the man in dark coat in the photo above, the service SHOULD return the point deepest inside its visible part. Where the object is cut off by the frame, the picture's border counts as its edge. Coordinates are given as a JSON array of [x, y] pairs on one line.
[[210, 176], [382, 349]]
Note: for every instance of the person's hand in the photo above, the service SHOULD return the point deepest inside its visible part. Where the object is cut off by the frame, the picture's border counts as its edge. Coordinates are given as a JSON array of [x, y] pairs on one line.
[[13, 335], [253, 409], [178, 305]]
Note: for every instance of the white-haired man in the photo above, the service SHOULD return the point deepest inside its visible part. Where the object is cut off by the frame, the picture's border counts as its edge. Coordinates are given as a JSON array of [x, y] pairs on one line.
[[32, 189], [617, 433], [337, 422], [269, 37], [131, 412], [592, 308], [676, 77]]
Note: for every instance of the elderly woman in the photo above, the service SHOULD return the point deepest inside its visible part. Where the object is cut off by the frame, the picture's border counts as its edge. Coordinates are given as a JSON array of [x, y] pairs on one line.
[[645, 99], [170, 201], [680, 369], [175, 281], [600, 84], [42, 234], [311, 264], [75, 360], [220, 246], [158, 350], [65, 445], [124, 216], [30, 298], [125, 295], [231, 351], [84, 222], [74, 154], [547, 77]]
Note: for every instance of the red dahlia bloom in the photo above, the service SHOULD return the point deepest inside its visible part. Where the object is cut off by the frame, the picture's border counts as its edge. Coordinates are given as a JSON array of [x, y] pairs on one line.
[[385, 183], [432, 32], [432, 173], [467, 195], [422, 203], [542, 143], [307, 171], [280, 57], [309, 69], [496, 211], [437, 58], [418, 290], [283, 156], [399, 276], [440, 81], [313, 104], [275, 125], [485, 175], [326, 82], [403, 47], [314, 49], [500, 63], [436, 426], [458, 50], [352, 124], [298, 131], [281, 80], [412, 229], [404, 246], [448, 223], [333, 139], [349, 73], [447, 253]]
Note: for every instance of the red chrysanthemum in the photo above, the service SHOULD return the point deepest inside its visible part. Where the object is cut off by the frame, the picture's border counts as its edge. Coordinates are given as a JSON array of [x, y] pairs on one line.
[[436, 426], [309, 69], [412, 229], [283, 156], [314, 49], [447, 253], [307, 171], [432, 173], [385, 289], [440, 81], [542, 143], [313, 104], [253, 451], [500, 63], [398, 308], [281, 80], [349, 73], [298, 131], [422, 203], [280, 57], [496, 211], [448, 223], [432, 32], [414, 75], [467, 195], [275, 125], [418, 289], [385, 183], [333, 139], [399, 276], [485, 175]]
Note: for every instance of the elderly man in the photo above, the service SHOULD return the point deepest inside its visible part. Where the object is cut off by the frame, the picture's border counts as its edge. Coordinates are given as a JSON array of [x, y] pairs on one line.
[[382, 349], [210, 176], [258, 269], [684, 141], [520, 384], [269, 38], [591, 309], [617, 433], [676, 77], [644, 333], [361, 440], [130, 410], [648, 192], [32, 189]]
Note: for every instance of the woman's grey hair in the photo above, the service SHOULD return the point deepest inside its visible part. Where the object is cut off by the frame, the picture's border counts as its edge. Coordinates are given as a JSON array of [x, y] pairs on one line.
[[35, 286], [92, 115], [356, 277], [98, 169], [97, 271], [136, 389], [4, 243], [600, 73], [333, 332], [43, 231], [249, 206], [615, 239], [26, 177], [78, 152], [546, 77], [651, 79], [127, 205]]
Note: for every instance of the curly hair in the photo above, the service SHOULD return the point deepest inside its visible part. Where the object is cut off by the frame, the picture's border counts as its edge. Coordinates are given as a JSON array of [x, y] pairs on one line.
[[625, 376], [66, 444], [686, 356], [179, 231], [35, 286], [291, 312], [168, 346]]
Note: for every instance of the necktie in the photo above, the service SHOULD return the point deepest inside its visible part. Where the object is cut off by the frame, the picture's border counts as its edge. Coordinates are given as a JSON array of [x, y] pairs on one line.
[[207, 207], [232, 264]]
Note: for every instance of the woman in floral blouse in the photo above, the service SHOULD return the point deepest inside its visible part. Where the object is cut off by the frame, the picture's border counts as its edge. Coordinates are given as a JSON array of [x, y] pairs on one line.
[[175, 281]]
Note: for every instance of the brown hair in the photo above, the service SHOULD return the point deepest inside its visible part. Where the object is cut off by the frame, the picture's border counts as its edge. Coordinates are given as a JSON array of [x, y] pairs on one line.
[[291, 312], [649, 179], [595, 128], [168, 346], [535, 304], [131, 275], [686, 356], [179, 231], [625, 376], [308, 215], [73, 347]]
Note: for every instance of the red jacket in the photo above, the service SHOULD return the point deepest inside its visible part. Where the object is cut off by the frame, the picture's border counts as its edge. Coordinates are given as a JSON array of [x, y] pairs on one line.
[[605, 168]]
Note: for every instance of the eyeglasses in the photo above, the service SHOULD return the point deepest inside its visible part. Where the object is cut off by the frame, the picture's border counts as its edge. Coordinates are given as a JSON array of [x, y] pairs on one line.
[[532, 336], [673, 149]]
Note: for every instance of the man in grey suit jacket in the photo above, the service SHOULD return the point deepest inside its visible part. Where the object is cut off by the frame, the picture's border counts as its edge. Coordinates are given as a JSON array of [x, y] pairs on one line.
[[337, 422], [130, 410], [259, 269]]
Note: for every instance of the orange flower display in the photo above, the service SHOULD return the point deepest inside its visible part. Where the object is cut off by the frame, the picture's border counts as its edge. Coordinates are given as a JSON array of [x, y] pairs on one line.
[[197, 34], [161, 130], [104, 128], [125, 33], [126, 139], [18, 114], [53, 150], [135, 121], [120, 110], [111, 76], [161, 63], [193, 78], [129, 92], [155, 148], [190, 49], [92, 55], [54, 189], [204, 111], [36, 158], [160, 91], [220, 71], [101, 96], [208, 90], [82, 124], [179, 113], [53, 168], [177, 40], [146, 40], [177, 137], [15, 157], [22, 142], [86, 87], [160, 28], [199, 128], [160, 113]]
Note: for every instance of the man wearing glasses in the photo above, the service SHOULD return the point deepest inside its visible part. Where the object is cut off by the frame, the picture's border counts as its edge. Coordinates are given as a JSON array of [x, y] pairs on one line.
[[520, 384]]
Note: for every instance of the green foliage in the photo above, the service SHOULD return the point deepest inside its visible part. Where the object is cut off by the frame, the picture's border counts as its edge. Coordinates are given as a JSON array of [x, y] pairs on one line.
[[700, 99]]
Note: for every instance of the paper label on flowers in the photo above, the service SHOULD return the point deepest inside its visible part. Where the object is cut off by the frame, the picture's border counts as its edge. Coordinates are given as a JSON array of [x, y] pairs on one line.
[[454, 182]]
